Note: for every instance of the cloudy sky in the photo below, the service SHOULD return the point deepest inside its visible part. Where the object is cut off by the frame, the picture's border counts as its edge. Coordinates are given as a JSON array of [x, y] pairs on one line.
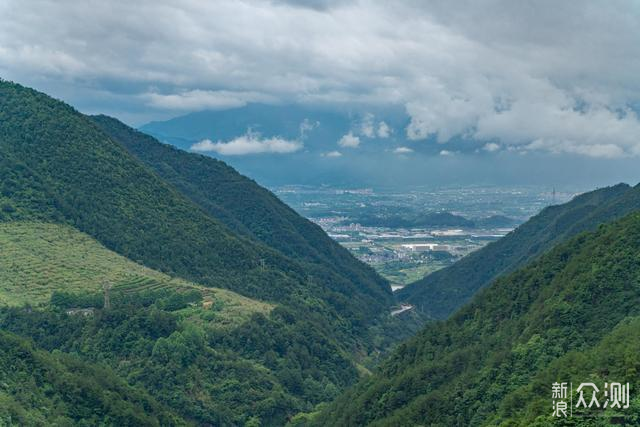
[[547, 76]]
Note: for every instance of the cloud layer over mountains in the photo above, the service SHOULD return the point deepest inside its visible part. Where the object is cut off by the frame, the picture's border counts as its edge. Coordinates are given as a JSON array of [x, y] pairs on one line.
[[529, 76]]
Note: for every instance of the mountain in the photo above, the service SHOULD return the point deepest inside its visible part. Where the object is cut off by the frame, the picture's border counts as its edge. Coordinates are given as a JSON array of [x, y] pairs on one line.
[[440, 293], [59, 165], [572, 315], [51, 278], [315, 130], [292, 316], [243, 206], [284, 121]]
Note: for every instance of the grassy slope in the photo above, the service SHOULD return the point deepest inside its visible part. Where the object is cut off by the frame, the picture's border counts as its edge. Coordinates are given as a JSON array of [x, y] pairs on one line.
[[442, 292], [558, 310], [40, 258]]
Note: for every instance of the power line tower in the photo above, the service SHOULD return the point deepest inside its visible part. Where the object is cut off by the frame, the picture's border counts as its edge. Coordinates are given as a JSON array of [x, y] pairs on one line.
[[554, 195], [106, 287]]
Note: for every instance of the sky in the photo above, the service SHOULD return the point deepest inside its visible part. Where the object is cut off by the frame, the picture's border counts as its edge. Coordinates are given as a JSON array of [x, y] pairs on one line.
[[513, 76]]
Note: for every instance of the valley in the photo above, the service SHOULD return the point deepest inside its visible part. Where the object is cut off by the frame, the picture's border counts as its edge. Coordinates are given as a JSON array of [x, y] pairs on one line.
[[319, 213], [179, 285], [401, 234]]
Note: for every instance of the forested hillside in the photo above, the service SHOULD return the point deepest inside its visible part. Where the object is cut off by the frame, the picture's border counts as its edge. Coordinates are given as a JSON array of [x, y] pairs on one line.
[[310, 314], [38, 388], [572, 315], [439, 294], [93, 183], [245, 207]]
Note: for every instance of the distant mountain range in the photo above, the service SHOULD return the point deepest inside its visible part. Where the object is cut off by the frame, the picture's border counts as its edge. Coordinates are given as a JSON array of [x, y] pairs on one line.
[[318, 129], [323, 142]]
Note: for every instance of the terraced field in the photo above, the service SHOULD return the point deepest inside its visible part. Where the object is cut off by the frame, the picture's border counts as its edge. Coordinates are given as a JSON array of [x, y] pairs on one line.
[[37, 259]]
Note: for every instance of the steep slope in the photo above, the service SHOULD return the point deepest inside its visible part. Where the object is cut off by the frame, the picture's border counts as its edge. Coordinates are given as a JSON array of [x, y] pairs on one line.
[[442, 292], [61, 166], [159, 333], [299, 346], [243, 206], [490, 362], [42, 389]]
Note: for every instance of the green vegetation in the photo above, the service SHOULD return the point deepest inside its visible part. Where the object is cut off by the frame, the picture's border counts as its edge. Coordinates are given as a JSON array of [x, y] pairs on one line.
[[441, 293], [39, 259], [615, 357], [237, 360], [264, 370], [253, 212], [571, 315], [77, 209], [38, 388], [91, 182], [404, 273]]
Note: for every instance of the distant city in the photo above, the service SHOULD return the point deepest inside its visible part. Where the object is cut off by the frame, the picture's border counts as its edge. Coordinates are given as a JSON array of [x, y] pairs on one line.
[[405, 236]]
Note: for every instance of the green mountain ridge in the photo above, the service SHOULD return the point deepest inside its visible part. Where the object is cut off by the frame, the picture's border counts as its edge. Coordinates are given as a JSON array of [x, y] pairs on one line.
[[493, 362], [440, 293], [87, 180], [291, 319], [245, 207], [326, 311]]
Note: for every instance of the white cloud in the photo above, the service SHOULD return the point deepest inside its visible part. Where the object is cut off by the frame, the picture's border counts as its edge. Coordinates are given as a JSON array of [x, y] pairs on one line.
[[349, 141], [403, 150], [307, 126], [491, 147], [550, 76], [251, 143], [446, 153], [332, 154], [384, 131], [367, 127]]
